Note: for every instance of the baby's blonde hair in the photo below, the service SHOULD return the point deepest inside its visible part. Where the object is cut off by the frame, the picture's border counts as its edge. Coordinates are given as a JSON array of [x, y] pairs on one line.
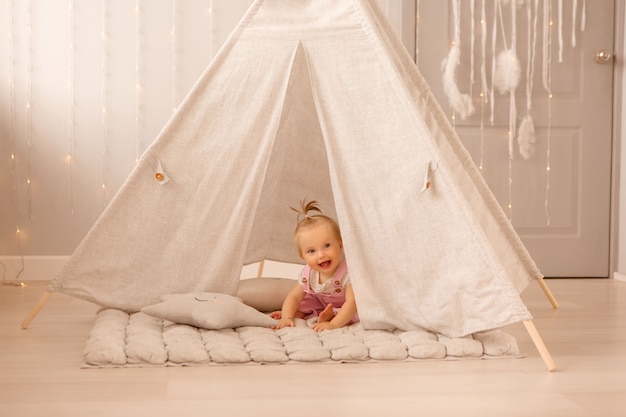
[[311, 220]]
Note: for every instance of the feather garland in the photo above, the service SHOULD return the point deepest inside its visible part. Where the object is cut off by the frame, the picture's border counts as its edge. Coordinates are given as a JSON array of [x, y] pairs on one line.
[[494, 39], [461, 103], [508, 71], [574, 11], [526, 137], [526, 133], [560, 30]]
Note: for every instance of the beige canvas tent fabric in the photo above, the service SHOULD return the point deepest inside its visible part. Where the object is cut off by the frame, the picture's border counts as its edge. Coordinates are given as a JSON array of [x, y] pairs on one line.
[[313, 98]]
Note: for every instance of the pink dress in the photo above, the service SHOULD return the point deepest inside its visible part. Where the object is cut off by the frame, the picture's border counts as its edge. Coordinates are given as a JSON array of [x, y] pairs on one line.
[[314, 302]]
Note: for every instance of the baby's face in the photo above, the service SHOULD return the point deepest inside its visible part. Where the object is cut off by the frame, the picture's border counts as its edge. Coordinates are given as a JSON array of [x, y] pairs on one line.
[[321, 249]]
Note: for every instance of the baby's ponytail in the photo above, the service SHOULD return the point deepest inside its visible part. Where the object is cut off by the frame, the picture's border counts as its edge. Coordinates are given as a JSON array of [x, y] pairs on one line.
[[306, 219]]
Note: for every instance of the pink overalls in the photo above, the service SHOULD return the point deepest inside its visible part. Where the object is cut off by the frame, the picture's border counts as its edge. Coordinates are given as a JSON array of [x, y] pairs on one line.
[[314, 302]]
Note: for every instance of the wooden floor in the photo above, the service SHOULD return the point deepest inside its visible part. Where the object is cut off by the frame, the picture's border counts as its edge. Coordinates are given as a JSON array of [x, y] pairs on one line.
[[41, 375]]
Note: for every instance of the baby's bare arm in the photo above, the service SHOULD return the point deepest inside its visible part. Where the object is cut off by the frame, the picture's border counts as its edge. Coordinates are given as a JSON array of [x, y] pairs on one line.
[[290, 307]]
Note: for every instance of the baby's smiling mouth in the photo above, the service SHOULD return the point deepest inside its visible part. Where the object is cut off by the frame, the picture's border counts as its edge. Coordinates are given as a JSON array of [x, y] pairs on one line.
[[324, 264]]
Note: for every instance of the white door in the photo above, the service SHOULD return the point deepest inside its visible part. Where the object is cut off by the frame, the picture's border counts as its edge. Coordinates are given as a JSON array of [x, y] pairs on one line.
[[559, 198]]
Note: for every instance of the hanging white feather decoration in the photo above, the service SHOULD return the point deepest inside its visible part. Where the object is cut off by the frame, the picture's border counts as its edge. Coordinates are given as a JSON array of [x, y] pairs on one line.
[[526, 137], [508, 71], [460, 103], [526, 133]]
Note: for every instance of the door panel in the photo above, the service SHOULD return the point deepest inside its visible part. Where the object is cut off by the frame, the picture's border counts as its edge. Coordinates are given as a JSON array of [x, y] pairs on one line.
[[559, 199]]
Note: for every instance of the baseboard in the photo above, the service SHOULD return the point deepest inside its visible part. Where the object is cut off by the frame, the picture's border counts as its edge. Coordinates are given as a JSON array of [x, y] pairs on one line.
[[619, 276], [30, 268], [44, 268]]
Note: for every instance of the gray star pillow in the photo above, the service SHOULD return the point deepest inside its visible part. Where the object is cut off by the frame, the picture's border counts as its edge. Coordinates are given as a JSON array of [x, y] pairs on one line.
[[208, 311]]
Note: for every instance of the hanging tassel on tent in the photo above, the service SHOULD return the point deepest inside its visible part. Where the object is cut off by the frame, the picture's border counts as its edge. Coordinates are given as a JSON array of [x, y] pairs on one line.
[[428, 175]]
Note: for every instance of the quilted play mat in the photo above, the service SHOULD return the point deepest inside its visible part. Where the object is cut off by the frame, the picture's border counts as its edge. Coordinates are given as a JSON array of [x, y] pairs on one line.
[[119, 339]]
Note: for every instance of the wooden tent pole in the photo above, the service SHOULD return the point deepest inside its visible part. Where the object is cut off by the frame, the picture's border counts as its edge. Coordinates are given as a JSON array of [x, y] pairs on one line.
[[541, 347], [548, 293], [36, 310], [259, 273]]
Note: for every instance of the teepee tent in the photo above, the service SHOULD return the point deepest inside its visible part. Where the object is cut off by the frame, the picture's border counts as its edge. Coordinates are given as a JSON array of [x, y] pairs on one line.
[[313, 98]]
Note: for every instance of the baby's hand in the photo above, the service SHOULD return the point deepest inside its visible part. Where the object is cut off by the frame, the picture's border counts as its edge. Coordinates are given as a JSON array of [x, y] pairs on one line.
[[320, 327], [285, 323]]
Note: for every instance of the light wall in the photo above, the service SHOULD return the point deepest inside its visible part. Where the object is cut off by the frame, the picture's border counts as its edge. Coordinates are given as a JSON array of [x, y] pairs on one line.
[[87, 89]]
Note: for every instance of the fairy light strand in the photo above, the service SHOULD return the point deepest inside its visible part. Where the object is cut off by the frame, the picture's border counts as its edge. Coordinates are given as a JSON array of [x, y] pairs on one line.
[[174, 57], [456, 16], [472, 46], [583, 16], [494, 38], [512, 110], [138, 29], [210, 40], [574, 13], [104, 102], [547, 83], [560, 29], [71, 113], [29, 118], [483, 81], [12, 116], [417, 31]]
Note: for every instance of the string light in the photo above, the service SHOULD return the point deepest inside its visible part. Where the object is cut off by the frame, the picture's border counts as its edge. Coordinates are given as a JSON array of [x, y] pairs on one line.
[[583, 17], [472, 46], [482, 132], [29, 118], [548, 145], [210, 18], [494, 36], [512, 111], [574, 11], [137, 80], [483, 81], [510, 205], [547, 84], [174, 57], [104, 102], [560, 34], [71, 114], [417, 31], [12, 116], [12, 98]]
